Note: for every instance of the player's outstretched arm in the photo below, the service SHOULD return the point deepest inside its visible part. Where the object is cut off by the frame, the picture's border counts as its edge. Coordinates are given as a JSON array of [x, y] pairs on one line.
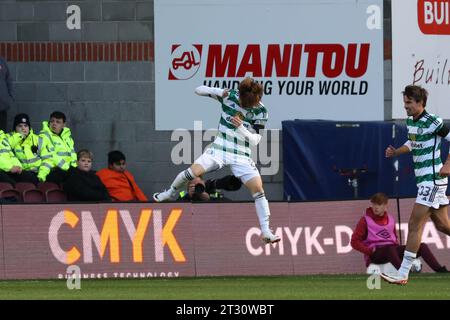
[[211, 92], [394, 152]]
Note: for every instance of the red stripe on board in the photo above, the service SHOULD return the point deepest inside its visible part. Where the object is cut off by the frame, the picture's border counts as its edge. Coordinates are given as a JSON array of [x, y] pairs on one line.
[[3, 49], [129, 53], [140, 48], [152, 52], [20, 57], [89, 51], [94, 52], [100, 51], [66, 52], [107, 51], [60, 52], [118, 52], [43, 52], [77, 51], [26, 52], [135, 51], [48, 56], [14, 52], [37, 52], [72, 52], [112, 52], [146, 50], [32, 56], [387, 49], [83, 52], [124, 52], [54, 52]]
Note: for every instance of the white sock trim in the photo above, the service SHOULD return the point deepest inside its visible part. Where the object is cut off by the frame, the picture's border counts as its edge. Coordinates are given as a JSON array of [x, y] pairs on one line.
[[408, 258], [181, 179], [258, 195], [410, 254]]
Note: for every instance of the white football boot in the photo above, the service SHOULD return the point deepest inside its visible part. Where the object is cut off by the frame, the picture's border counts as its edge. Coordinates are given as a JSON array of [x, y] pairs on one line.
[[167, 195], [394, 278], [269, 237]]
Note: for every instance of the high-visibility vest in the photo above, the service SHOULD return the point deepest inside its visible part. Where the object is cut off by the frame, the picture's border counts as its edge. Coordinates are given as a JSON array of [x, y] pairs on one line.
[[55, 150], [7, 157], [25, 149]]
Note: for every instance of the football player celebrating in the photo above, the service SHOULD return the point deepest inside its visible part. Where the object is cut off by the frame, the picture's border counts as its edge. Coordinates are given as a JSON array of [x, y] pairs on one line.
[[243, 115]]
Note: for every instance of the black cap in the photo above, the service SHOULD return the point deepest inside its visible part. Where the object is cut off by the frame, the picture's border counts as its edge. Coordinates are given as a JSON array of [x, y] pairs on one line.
[[21, 118]]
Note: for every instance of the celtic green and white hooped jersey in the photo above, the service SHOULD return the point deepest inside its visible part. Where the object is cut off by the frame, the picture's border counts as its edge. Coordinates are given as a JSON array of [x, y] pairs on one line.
[[228, 139], [425, 146]]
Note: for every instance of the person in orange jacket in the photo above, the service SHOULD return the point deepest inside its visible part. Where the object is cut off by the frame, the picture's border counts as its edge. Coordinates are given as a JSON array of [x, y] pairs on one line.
[[119, 181]]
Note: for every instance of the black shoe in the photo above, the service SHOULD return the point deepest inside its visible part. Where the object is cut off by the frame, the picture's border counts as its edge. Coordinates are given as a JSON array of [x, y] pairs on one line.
[[442, 269]]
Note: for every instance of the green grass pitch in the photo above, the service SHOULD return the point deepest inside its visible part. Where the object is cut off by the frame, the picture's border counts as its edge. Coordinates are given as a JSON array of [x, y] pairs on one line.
[[420, 286]]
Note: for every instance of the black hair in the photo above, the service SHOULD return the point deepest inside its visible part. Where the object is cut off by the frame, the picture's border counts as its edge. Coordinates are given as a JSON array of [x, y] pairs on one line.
[[115, 156], [58, 115]]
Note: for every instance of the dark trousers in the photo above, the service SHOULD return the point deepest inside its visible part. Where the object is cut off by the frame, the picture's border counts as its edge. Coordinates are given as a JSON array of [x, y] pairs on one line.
[[3, 120], [57, 175], [394, 255], [13, 178]]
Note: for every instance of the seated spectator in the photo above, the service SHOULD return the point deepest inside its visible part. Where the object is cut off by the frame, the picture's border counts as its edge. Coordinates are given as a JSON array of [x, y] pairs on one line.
[[11, 170], [56, 149], [376, 238], [119, 181], [24, 143], [210, 190], [82, 184]]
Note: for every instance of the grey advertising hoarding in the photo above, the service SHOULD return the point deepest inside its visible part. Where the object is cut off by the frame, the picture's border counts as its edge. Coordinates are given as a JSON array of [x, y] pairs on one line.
[[315, 59]]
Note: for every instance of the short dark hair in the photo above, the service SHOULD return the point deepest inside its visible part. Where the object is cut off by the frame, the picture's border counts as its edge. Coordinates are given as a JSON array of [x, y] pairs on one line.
[[58, 115], [417, 93], [379, 198], [115, 156]]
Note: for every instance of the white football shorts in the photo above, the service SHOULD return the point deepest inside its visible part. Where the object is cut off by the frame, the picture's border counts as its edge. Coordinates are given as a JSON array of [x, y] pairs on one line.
[[432, 196], [242, 167]]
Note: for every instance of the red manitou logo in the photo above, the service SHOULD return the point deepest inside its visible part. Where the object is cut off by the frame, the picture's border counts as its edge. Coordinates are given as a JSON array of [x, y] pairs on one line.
[[285, 60], [185, 61]]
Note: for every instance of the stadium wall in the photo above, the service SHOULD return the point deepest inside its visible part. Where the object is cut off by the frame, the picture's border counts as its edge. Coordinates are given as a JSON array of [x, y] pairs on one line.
[[130, 240]]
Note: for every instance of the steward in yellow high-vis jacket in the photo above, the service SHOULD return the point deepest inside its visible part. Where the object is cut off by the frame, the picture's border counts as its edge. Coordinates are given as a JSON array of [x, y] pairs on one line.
[[9, 164], [56, 149], [11, 169], [24, 143]]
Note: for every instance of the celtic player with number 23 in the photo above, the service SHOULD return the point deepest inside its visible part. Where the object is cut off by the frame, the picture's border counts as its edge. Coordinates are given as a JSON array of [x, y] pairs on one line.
[[425, 133], [242, 116]]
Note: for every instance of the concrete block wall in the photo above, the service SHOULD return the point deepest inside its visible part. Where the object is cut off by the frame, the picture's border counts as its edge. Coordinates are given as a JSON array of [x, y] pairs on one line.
[[102, 77]]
